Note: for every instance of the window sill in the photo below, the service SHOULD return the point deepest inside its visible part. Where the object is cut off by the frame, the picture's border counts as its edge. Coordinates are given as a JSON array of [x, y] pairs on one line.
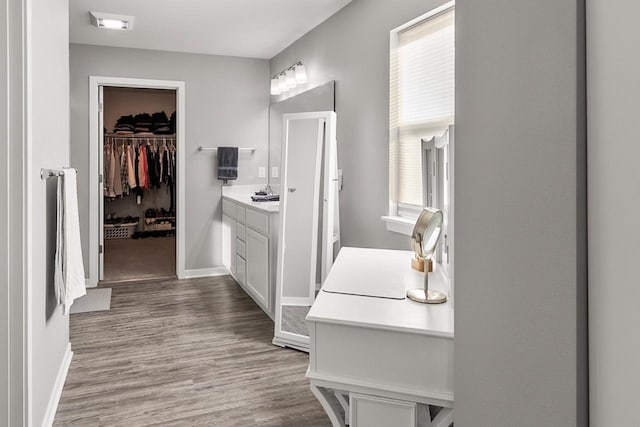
[[399, 224]]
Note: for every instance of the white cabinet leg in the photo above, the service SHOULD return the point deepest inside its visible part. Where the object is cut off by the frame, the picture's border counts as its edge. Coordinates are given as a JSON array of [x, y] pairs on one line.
[[424, 416], [444, 418], [343, 399], [330, 404]]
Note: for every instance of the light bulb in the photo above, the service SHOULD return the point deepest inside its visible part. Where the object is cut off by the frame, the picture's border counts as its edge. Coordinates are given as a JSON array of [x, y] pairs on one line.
[[113, 24], [301, 74]]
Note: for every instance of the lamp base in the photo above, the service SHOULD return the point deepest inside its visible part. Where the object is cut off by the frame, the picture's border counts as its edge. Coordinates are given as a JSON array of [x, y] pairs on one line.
[[426, 297]]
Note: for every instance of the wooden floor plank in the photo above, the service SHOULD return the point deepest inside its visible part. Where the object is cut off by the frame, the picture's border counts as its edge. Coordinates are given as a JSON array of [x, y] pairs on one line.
[[183, 353]]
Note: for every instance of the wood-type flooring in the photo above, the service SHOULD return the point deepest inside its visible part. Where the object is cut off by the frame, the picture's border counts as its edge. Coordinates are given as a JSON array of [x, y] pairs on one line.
[[183, 353]]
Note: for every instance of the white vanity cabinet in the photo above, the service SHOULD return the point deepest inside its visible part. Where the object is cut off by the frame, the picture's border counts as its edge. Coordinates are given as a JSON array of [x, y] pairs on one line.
[[379, 362], [249, 239]]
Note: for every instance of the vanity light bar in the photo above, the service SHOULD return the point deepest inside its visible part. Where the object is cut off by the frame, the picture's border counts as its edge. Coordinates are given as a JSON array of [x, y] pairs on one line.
[[289, 79]]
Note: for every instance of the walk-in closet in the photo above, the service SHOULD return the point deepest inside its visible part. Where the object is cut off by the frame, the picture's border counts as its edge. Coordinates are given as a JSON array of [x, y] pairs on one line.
[[139, 183]]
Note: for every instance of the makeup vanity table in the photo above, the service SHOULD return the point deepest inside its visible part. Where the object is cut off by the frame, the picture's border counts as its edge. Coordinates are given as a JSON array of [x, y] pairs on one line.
[[379, 361]]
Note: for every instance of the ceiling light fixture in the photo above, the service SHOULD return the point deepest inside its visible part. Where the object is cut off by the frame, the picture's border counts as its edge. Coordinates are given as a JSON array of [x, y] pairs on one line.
[[110, 21], [288, 79]]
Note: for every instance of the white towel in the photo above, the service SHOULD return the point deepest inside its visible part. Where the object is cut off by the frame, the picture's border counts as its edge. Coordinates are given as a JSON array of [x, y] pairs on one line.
[[69, 266]]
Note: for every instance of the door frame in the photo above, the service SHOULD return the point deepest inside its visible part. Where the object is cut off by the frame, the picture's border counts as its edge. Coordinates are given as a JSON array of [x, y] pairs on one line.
[[95, 228], [16, 216]]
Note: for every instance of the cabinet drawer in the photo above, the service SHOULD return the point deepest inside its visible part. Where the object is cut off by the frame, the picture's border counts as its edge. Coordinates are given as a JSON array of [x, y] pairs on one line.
[[241, 232], [374, 411], [241, 248], [258, 221], [241, 213], [241, 269], [229, 208]]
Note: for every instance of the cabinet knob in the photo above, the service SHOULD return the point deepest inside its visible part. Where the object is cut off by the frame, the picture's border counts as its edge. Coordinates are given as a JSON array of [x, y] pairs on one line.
[[292, 190]]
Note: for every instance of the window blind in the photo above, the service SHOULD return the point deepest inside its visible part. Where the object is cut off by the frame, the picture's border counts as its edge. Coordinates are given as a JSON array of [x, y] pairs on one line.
[[422, 98]]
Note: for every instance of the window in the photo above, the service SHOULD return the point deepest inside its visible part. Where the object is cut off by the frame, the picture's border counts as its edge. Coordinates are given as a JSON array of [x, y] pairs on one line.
[[422, 82]]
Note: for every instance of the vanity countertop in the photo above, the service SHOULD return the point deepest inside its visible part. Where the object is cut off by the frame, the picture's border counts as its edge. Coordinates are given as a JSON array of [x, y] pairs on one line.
[[242, 194], [376, 268], [245, 199]]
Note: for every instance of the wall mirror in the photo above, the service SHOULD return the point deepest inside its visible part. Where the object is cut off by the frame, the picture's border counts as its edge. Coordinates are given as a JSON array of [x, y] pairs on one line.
[[319, 98], [309, 229]]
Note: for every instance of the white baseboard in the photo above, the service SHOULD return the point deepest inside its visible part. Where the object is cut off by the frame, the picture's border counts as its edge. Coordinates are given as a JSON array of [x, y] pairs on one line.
[[52, 407], [296, 301], [89, 284], [205, 272]]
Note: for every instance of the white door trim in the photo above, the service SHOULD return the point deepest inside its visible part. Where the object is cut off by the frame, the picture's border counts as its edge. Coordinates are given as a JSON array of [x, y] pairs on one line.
[[17, 215], [94, 170]]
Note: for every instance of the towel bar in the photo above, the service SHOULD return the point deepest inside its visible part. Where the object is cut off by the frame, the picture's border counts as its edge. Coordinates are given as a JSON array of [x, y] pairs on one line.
[[50, 173], [252, 149]]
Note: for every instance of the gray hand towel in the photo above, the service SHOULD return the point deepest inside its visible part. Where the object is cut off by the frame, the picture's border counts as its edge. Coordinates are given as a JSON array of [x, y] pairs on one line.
[[227, 163]]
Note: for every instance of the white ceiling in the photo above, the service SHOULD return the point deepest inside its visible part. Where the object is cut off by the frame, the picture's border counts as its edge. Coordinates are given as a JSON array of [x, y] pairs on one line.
[[249, 28]]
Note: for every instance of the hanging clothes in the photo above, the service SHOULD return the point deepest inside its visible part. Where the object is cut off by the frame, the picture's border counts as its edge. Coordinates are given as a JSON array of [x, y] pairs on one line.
[[124, 181], [143, 172], [139, 165], [131, 173], [117, 173]]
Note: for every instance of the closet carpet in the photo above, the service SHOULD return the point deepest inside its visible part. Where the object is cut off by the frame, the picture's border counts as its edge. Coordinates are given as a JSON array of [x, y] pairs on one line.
[[135, 259], [183, 353]]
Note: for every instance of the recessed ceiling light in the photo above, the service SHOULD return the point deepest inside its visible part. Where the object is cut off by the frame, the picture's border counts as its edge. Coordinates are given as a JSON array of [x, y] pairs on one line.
[[110, 21]]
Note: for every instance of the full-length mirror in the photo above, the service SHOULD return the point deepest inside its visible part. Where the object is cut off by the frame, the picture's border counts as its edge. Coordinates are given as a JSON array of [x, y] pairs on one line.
[[308, 227], [320, 98]]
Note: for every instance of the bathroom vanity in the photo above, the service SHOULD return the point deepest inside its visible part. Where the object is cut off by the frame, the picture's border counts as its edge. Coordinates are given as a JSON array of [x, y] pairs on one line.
[[250, 244], [380, 361]]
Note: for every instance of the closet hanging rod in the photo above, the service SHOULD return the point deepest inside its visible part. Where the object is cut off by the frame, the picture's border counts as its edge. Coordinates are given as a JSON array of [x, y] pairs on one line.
[[50, 173], [251, 149], [108, 135]]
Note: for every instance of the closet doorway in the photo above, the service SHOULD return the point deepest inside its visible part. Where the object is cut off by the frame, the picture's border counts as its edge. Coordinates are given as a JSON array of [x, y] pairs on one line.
[[137, 159]]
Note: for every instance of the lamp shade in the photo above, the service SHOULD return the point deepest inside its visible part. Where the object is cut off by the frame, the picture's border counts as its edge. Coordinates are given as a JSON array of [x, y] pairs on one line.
[[301, 74], [282, 84], [275, 86], [291, 78]]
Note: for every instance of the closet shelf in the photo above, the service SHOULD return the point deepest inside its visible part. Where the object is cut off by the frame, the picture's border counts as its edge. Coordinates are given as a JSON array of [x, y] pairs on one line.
[[134, 136], [129, 224]]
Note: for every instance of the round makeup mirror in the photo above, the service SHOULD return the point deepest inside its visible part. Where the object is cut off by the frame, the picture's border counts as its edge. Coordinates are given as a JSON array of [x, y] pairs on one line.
[[424, 241]]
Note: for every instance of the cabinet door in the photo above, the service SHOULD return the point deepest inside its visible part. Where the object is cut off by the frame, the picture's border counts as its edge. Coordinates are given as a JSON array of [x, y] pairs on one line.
[[258, 266], [227, 254], [229, 243], [232, 245], [241, 269]]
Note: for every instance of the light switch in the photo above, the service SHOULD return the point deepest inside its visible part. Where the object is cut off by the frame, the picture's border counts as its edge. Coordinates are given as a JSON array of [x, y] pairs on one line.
[[274, 172], [262, 172]]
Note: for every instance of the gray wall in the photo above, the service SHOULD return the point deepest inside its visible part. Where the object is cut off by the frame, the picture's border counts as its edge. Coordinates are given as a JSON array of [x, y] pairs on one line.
[[352, 48], [49, 126], [614, 202], [520, 219], [227, 103]]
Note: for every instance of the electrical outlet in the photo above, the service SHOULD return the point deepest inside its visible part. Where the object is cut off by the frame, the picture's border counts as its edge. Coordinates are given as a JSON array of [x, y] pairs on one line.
[[274, 172], [262, 172]]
